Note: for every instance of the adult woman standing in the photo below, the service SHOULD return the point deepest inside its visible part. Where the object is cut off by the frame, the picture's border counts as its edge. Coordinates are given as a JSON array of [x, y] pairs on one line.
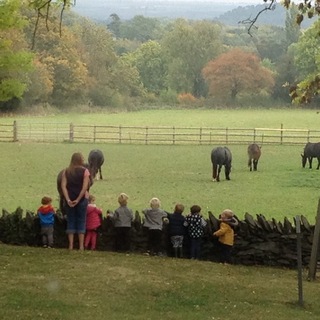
[[75, 185]]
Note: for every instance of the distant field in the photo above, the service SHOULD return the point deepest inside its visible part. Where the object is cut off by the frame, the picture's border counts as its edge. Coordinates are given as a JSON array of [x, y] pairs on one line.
[[290, 118], [173, 173]]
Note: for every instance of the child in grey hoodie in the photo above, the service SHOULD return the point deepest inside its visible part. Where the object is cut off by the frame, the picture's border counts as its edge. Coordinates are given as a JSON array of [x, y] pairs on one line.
[[154, 218]]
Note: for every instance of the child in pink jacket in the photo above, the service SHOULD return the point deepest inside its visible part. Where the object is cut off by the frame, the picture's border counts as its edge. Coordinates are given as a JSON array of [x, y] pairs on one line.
[[94, 219]]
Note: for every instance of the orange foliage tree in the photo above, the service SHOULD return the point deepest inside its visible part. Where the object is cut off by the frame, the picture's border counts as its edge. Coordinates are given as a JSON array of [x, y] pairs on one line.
[[235, 72]]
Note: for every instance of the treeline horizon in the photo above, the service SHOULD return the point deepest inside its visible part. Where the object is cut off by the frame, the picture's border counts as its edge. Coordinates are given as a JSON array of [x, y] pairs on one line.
[[146, 62]]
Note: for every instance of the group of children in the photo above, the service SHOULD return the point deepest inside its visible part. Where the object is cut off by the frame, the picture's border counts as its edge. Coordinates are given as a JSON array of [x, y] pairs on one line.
[[179, 226]]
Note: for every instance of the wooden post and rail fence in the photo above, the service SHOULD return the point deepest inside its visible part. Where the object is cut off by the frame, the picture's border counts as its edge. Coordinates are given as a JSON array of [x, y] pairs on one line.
[[76, 133]]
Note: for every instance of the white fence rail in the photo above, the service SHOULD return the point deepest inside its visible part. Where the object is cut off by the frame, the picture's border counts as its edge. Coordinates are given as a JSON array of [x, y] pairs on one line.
[[65, 132]]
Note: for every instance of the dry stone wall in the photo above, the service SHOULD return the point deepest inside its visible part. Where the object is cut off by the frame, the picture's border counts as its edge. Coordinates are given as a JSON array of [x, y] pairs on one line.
[[258, 241]]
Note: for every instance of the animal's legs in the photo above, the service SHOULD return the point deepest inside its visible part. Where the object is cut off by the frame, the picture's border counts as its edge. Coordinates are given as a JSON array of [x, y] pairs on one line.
[[227, 172], [100, 173], [218, 175], [214, 172], [310, 162]]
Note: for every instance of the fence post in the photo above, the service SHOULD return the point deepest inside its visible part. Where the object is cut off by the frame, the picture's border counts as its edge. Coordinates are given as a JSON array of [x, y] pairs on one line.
[[120, 134], [299, 258], [226, 135], [146, 141], [315, 247], [71, 132], [281, 134], [94, 133], [200, 138], [15, 131], [254, 135], [173, 135]]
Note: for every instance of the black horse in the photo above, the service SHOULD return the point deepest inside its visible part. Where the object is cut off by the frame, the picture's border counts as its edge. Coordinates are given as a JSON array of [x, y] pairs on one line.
[[95, 160], [221, 156], [310, 151], [254, 154]]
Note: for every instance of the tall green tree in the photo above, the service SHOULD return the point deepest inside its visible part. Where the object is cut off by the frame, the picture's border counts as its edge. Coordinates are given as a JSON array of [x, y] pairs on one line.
[[140, 28], [271, 42], [15, 60], [148, 59], [99, 57], [188, 47], [307, 62]]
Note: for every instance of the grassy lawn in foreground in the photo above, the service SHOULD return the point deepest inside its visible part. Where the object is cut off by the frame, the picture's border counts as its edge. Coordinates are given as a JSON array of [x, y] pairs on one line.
[[57, 284]]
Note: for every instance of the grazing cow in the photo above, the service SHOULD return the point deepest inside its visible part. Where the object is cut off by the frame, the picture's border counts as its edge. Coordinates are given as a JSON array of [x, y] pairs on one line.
[[310, 151], [95, 160], [254, 153], [221, 156], [62, 201]]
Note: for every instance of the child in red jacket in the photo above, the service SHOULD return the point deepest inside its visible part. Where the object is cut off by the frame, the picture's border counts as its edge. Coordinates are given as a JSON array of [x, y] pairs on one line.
[[93, 222]]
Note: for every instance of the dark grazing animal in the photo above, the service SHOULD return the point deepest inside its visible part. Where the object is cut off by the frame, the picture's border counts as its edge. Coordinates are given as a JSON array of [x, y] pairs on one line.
[[95, 160], [310, 151], [254, 153], [221, 156]]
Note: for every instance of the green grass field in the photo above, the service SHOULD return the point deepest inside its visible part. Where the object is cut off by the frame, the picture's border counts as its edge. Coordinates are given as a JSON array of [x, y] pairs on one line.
[[173, 173], [57, 284]]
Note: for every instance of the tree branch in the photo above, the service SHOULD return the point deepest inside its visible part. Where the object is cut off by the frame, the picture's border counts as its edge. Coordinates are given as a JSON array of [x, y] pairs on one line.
[[251, 22]]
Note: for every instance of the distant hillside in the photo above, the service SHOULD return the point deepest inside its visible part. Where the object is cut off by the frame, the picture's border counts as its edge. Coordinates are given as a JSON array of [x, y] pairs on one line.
[[274, 17], [127, 9], [226, 13]]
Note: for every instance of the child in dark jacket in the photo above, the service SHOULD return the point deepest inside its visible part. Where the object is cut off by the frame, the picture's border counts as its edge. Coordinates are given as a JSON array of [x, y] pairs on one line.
[[195, 224], [46, 215], [177, 229]]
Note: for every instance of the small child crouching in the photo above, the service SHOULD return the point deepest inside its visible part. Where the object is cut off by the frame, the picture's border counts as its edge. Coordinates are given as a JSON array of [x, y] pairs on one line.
[[226, 235]]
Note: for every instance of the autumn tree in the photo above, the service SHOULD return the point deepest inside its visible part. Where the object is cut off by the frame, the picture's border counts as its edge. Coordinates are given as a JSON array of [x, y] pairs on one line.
[[15, 60], [236, 72], [63, 59]]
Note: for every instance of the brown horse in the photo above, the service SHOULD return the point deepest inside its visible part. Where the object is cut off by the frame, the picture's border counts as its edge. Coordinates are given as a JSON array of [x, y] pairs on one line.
[[254, 153]]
